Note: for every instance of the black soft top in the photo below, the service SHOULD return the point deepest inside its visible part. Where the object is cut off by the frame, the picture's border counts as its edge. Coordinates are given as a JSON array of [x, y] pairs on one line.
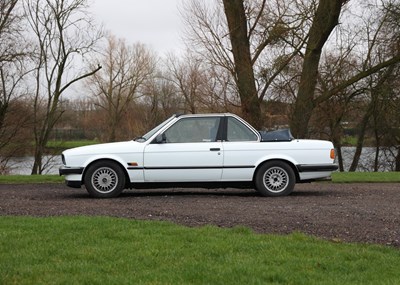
[[282, 135]]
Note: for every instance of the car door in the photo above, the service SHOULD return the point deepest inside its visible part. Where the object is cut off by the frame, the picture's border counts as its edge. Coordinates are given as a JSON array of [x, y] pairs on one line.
[[190, 152], [240, 150]]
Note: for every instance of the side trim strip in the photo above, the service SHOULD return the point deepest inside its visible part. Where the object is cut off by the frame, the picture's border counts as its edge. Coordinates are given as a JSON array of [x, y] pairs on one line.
[[190, 167]]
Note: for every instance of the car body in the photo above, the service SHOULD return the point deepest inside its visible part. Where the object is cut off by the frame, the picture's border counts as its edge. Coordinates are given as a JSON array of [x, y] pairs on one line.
[[206, 150]]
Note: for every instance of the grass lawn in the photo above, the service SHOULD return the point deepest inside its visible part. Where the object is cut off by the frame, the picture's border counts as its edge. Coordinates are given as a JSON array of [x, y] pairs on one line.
[[28, 179], [365, 177], [101, 250], [70, 144]]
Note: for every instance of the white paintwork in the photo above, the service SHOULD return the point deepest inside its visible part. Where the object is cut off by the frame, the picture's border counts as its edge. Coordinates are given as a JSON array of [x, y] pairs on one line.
[[183, 155], [207, 165]]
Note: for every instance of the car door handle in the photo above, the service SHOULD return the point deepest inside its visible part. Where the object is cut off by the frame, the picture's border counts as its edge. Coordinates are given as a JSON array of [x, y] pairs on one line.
[[215, 149]]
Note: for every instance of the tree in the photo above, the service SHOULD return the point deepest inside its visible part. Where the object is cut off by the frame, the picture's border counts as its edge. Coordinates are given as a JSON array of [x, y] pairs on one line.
[[325, 20], [161, 98], [126, 68], [62, 32], [277, 32], [8, 28], [238, 33], [13, 52], [253, 40], [188, 76]]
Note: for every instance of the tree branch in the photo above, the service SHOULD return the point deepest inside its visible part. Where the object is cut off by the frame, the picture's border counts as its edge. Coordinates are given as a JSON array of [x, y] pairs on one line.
[[326, 95], [79, 78]]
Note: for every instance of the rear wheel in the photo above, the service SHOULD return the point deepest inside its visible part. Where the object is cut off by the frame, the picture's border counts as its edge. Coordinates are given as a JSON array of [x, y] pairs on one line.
[[275, 178], [104, 179]]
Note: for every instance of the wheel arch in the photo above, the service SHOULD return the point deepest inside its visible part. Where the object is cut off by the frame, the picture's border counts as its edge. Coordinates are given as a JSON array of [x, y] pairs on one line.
[[127, 180], [288, 162]]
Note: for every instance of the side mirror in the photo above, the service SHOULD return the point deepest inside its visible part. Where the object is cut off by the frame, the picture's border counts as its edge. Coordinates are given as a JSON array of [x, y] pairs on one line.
[[161, 138]]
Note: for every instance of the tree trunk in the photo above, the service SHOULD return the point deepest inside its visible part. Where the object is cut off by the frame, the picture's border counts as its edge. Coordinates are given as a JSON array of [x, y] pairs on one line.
[[37, 167], [360, 139], [339, 155], [237, 24], [325, 20], [376, 161]]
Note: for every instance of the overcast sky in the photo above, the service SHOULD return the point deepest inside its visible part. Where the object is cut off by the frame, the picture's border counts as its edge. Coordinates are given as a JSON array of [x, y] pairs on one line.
[[156, 23]]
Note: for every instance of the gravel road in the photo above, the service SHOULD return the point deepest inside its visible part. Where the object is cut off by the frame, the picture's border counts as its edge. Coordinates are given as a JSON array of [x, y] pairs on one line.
[[366, 213]]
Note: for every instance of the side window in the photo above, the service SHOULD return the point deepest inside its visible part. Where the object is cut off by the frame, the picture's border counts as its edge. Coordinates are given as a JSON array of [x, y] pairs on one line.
[[237, 131], [193, 130]]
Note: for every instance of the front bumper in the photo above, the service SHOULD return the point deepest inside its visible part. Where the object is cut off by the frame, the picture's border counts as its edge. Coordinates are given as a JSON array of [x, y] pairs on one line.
[[73, 176], [65, 170]]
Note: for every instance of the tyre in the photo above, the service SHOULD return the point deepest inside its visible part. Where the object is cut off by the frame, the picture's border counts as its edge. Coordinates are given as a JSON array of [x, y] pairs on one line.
[[275, 178], [104, 179]]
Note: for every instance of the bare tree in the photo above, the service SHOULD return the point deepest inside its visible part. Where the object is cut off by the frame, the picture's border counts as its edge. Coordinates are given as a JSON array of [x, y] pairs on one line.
[[277, 32], [255, 43], [188, 76], [13, 52], [238, 33], [161, 98], [384, 40], [62, 32], [307, 99], [8, 28], [126, 68], [325, 20]]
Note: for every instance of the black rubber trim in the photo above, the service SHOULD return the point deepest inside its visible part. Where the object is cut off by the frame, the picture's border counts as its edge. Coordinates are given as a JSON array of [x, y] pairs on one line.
[[74, 184], [317, 167], [190, 167], [64, 170]]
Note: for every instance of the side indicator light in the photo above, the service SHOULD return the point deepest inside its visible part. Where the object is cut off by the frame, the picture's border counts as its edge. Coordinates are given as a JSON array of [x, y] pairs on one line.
[[132, 164]]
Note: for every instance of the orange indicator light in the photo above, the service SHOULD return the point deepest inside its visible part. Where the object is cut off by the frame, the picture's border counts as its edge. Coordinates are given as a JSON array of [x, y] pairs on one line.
[[332, 153]]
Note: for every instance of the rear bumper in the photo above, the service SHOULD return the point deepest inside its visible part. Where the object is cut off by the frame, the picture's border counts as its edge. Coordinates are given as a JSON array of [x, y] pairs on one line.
[[317, 167]]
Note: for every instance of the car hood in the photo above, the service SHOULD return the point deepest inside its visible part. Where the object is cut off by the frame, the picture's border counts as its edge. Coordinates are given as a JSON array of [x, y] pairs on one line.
[[110, 148]]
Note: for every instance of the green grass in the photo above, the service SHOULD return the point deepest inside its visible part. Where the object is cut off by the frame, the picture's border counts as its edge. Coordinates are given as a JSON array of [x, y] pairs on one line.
[[70, 144], [83, 250], [365, 177], [56, 147], [30, 179]]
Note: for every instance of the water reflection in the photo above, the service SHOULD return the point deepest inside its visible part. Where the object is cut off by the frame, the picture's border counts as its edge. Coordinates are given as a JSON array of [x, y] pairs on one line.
[[23, 165]]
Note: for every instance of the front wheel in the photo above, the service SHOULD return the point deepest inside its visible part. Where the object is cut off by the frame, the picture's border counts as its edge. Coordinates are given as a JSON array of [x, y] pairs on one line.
[[275, 178], [104, 179]]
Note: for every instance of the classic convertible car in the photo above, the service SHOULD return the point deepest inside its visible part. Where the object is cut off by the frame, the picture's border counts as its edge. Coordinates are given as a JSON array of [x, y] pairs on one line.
[[208, 150]]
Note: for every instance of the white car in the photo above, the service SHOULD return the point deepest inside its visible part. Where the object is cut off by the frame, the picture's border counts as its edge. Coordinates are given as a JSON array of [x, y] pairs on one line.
[[208, 150]]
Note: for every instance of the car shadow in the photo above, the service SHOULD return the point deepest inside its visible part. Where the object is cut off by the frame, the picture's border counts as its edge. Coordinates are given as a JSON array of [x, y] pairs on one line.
[[183, 192], [190, 192]]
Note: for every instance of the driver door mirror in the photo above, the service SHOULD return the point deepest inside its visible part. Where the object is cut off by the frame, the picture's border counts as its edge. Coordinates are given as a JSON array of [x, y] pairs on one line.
[[161, 138]]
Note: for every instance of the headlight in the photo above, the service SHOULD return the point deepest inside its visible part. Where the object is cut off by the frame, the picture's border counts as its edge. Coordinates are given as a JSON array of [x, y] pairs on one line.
[[63, 159]]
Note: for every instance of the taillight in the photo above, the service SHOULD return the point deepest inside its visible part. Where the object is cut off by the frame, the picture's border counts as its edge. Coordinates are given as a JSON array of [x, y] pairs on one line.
[[332, 155]]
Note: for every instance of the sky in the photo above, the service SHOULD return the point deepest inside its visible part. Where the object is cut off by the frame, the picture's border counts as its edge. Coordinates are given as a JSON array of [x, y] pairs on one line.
[[156, 23]]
